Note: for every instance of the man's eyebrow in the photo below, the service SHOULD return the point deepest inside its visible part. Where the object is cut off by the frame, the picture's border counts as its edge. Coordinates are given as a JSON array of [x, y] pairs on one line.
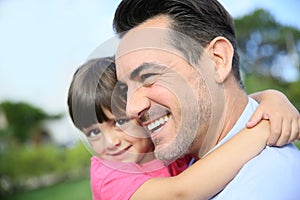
[[145, 66]]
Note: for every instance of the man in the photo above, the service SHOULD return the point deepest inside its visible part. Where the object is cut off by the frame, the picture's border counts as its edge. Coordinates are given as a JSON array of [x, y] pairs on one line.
[[191, 99]]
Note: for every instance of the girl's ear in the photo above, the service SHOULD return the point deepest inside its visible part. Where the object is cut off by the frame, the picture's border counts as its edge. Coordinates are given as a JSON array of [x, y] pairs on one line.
[[221, 52]]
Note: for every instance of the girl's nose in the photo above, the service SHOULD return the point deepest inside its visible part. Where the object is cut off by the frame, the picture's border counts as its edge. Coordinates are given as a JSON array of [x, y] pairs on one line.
[[112, 141]]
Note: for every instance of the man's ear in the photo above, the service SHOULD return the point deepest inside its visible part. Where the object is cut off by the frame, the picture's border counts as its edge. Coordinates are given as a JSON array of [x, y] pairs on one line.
[[221, 52]]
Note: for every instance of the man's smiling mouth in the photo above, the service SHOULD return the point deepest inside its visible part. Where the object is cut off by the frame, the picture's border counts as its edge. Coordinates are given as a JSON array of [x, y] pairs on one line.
[[158, 123]]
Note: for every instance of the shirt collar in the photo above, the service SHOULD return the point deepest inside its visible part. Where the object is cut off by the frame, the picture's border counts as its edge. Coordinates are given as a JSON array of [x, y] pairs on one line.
[[241, 122]]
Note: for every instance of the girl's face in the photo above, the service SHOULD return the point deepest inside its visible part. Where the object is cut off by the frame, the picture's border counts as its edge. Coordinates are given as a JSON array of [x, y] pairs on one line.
[[120, 140]]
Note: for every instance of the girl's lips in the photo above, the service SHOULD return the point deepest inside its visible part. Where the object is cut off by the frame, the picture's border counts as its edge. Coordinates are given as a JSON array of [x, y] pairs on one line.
[[120, 152]]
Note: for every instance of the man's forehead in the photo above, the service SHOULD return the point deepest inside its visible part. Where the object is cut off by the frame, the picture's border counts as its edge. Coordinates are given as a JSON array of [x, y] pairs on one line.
[[143, 38], [130, 67], [150, 60], [149, 34]]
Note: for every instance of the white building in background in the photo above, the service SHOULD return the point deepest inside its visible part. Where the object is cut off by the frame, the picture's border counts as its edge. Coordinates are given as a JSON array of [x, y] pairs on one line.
[[3, 122], [62, 131]]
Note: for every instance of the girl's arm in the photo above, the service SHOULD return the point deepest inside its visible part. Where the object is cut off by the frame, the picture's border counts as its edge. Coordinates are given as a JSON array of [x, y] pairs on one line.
[[209, 175], [284, 117]]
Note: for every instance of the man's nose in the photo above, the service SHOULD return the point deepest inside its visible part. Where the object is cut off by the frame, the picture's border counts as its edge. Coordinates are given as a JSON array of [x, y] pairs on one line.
[[137, 102]]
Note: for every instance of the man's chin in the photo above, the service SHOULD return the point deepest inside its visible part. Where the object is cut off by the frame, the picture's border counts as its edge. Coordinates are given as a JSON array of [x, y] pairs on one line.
[[166, 153]]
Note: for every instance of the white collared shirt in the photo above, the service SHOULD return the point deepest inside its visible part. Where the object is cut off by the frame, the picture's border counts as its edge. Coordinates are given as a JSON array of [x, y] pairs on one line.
[[272, 175]]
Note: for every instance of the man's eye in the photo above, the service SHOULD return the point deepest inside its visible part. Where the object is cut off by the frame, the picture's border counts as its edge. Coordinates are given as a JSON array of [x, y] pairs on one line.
[[149, 78], [121, 122], [93, 133]]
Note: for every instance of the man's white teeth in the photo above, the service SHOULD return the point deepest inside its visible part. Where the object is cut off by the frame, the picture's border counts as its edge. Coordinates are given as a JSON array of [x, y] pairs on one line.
[[157, 123], [161, 120]]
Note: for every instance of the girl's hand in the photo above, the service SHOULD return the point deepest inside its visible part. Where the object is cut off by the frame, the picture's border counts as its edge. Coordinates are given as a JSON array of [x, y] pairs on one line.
[[284, 117]]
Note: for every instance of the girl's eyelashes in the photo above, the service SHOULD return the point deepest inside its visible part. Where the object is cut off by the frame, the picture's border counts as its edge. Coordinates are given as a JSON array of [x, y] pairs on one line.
[[122, 88], [93, 133], [121, 122]]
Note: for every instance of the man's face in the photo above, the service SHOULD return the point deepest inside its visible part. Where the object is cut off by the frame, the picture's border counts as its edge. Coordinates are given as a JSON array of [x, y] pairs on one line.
[[167, 95]]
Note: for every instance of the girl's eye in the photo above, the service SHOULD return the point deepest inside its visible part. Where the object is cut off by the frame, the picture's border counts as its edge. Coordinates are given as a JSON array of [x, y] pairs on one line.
[[121, 122], [122, 88], [93, 133]]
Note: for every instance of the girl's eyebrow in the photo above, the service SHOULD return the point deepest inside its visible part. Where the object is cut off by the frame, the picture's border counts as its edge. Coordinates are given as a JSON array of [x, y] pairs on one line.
[[145, 66]]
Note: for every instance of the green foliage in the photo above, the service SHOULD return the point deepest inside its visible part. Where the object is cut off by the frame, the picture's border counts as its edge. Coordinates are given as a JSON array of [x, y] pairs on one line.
[[298, 145], [266, 49], [23, 162], [27, 161], [256, 83], [23, 119], [263, 42]]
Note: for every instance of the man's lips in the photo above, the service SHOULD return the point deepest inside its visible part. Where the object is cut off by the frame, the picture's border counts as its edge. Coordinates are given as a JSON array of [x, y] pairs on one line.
[[158, 123]]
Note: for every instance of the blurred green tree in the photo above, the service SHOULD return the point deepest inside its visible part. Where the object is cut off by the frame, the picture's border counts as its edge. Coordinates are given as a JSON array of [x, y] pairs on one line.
[[269, 54], [24, 121], [267, 47]]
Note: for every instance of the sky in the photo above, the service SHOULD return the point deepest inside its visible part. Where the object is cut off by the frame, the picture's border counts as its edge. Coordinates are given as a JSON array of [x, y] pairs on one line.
[[43, 42]]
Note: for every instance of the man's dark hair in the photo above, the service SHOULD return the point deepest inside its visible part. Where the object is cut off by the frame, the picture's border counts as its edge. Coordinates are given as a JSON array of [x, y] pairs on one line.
[[201, 20]]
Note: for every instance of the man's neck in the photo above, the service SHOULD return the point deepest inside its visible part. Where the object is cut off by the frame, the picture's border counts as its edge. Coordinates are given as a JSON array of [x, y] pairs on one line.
[[236, 103]]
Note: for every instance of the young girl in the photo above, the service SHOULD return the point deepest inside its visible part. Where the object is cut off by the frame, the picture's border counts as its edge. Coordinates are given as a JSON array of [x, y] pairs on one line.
[[124, 166]]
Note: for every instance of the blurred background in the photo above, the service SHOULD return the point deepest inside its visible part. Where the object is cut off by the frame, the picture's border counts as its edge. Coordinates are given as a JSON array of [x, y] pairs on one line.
[[43, 42]]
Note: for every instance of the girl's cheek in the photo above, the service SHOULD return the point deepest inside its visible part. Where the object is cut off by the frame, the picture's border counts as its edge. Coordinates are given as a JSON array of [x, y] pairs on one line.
[[98, 148]]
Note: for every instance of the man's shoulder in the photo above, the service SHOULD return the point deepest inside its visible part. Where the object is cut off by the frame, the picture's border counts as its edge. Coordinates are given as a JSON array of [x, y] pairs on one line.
[[273, 174], [278, 159], [274, 164]]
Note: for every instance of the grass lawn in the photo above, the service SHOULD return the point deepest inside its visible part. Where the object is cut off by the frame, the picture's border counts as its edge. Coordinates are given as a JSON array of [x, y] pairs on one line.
[[74, 190]]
